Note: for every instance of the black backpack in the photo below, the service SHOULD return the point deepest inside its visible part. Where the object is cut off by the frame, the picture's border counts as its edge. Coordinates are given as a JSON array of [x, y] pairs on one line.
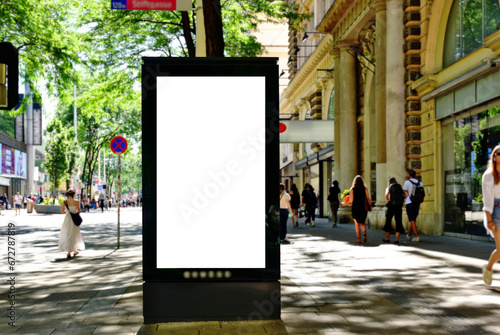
[[418, 194], [397, 195]]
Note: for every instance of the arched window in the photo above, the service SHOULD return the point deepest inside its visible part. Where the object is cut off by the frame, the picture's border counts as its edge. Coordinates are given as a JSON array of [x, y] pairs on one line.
[[331, 107], [469, 23]]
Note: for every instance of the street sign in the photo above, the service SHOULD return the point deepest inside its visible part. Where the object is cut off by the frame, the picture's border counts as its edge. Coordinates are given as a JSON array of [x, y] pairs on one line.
[[118, 145], [180, 5]]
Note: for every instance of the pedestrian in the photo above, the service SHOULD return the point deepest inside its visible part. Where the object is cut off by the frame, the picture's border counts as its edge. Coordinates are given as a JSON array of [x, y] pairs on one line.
[[395, 197], [412, 208], [25, 201], [70, 238], [334, 199], [18, 200], [101, 203], [310, 201], [295, 204], [491, 201], [3, 201], [285, 210], [361, 204]]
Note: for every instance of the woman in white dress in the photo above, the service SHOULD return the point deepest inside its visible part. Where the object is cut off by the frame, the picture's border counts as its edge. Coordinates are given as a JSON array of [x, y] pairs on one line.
[[70, 239]]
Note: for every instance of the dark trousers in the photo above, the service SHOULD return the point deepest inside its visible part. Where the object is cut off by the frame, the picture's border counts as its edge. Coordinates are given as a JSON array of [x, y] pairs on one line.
[[283, 221], [310, 213], [397, 213], [334, 206]]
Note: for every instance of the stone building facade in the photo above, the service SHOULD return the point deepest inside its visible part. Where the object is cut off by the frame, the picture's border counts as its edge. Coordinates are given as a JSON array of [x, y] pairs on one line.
[[409, 84]]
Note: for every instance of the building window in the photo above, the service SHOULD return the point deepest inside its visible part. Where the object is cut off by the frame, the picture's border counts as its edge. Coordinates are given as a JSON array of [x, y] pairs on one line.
[[331, 107], [469, 23], [467, 145]]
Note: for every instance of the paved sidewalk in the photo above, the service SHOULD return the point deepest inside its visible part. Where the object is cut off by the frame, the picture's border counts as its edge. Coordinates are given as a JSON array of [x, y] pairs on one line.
[[329, 284]]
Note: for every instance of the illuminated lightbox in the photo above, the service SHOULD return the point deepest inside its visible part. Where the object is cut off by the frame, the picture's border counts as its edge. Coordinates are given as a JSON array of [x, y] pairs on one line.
[[215, 189], [210, 171]]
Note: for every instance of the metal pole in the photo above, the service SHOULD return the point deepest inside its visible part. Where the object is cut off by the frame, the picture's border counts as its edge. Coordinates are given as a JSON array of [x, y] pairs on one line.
[[201, 44], [75, 177], [104, 177], [29, 142], [119, 198]]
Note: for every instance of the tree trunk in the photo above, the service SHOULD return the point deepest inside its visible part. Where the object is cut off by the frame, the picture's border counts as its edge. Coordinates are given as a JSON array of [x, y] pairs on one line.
[[186, 27], [213, 28]]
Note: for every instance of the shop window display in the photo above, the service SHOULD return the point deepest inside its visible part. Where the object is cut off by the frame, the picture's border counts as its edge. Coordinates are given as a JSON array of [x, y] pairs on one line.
[[467, 144]]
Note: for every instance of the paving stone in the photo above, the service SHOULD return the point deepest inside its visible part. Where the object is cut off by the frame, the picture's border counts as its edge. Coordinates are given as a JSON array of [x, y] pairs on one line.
[[329, 285]]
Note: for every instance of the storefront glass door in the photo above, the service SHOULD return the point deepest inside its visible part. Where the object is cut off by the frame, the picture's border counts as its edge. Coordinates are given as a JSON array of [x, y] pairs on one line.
[[467, 144]]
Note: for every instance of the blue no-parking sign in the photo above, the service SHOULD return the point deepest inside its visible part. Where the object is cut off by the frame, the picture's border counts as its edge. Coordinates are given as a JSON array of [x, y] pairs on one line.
[[118, 145]]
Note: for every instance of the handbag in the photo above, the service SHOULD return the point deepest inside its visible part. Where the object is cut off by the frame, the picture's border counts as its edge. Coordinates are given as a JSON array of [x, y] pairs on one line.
[[368, 205], [77, 219]]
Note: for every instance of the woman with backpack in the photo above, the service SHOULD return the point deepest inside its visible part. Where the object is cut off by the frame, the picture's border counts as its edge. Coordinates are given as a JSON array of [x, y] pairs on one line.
[[413, 201], [395, 197]]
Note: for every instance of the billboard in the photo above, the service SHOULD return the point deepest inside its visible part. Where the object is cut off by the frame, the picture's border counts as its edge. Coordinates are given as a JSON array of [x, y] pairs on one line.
[[210, 187], [13, 161], [232, 178]]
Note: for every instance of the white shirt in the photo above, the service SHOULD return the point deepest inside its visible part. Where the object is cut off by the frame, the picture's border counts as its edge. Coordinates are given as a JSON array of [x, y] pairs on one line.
[[285, 201], [408, 187], [490, 192], [18, 200]]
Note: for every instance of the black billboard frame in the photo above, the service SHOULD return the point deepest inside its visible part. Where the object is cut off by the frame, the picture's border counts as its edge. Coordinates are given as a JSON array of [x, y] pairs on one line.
[[168, 294]]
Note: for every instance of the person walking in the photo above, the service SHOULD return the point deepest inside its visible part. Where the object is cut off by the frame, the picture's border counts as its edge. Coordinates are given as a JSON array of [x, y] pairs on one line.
[[412, 208], [395, 197], [334, 199], [18, 200], [285, 210], [3, 201], [70, 237], [101, 203], [310, 200], [295, 204], [491, 208], [361, 203]]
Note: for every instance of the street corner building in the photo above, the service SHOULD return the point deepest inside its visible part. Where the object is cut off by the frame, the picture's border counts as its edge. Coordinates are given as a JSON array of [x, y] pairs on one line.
[[406, 84]]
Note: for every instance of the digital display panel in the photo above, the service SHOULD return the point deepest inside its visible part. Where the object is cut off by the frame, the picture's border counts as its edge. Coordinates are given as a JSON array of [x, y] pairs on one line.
[[8, 160], [210, 169], [20, 165], [221, 176]]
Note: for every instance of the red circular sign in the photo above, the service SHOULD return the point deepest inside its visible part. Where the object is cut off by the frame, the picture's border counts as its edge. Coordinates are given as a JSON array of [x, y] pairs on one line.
[[118, 145], [282, 127]]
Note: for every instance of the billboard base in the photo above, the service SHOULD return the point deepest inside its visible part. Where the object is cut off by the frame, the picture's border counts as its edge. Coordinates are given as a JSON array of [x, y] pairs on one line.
[[211, 301]]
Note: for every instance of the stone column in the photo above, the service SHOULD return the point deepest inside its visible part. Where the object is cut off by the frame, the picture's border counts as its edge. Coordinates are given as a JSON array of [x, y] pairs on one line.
[[348, 129], [395, 90], [336, 114], [380, 105]]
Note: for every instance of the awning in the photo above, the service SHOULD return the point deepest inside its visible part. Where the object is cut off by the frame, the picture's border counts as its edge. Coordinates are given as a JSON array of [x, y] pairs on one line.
[[322, 155], [4, 181], [306, 131]]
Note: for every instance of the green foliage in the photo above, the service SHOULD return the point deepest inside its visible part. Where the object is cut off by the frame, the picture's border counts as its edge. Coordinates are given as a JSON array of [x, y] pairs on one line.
[[462, 154], [343, 194], [60, 152], [46, 38]]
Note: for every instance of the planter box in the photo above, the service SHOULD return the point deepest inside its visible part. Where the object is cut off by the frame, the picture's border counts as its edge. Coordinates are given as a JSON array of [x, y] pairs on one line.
[[48, 209]]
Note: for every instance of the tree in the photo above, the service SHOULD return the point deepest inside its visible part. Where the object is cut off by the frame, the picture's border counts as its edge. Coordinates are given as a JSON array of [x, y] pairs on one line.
[[106, 108], [47, 41], [60, 152], [131, 171], [213, 28]]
